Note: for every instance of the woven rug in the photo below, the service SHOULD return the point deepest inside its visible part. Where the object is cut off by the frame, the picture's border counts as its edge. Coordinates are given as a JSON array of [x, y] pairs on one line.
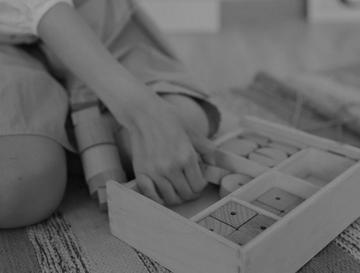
[[76, 239]]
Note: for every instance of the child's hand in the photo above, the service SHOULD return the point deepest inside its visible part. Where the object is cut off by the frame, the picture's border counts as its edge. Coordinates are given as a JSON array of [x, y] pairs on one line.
[[165, 158]]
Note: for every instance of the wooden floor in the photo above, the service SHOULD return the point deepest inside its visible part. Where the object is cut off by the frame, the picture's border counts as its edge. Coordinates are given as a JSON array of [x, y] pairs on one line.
[[231, 57]]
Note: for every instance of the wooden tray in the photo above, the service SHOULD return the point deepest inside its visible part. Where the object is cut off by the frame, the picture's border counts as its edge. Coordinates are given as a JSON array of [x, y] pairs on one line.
[[274, 223]]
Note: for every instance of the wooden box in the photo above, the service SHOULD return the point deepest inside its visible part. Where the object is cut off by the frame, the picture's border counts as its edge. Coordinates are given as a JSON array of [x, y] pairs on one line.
[[273, 224]]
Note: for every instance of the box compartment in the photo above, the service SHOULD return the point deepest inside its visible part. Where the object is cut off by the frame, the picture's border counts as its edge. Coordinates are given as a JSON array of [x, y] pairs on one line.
[[316, 166], [164, 235]]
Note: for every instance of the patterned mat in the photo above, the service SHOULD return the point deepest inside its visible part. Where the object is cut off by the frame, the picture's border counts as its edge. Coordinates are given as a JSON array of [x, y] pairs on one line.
[[53, 247], [77, 238]]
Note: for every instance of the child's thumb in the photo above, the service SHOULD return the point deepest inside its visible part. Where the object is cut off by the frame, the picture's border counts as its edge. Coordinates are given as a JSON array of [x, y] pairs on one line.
[[205, 148]]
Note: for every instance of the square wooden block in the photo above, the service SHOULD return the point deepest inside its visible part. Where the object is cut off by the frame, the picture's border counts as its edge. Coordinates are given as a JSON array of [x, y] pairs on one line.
[[234, 214], [280, 200], [216, 226], [251, 229]]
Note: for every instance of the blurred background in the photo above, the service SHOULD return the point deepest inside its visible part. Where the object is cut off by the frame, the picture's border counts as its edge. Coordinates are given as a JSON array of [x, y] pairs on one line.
[[224, 43]]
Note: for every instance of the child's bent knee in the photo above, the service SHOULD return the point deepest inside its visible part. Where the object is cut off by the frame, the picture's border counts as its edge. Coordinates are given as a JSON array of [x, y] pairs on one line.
[[32, 180]]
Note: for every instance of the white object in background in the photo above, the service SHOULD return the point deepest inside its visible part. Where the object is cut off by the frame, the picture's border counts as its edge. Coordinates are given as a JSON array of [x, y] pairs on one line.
[[332, 11], [184, 16]]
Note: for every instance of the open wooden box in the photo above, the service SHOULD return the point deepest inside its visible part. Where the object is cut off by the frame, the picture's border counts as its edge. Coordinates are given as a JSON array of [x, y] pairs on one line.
[[249, 231]]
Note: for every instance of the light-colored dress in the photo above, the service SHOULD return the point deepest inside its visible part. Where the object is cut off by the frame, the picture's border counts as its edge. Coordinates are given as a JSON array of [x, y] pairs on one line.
[[19, 19], [32, 100]]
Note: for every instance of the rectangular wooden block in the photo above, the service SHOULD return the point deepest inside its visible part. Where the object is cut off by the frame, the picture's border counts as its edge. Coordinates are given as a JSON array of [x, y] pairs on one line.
[[287, 148], [280, 200], [216, 226], [243, 235], [251, 229], [260, 140], [267, 208], [315, 180], [233, 214], [214, 174]]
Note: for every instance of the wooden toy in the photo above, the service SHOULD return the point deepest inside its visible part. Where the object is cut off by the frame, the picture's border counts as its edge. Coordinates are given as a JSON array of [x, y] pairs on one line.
[[259, 139], [232, 182], [99, 154], [214, 174], [287, 148], [239, 146], [251, 229], [275, 223], [278, 201], [217, 226]]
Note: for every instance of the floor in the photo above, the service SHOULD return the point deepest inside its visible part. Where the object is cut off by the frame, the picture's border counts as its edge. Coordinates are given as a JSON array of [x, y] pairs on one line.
[[231, 57]]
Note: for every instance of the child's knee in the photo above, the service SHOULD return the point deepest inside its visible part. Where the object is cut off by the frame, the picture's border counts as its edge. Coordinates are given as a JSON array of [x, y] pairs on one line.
[[32, 179]]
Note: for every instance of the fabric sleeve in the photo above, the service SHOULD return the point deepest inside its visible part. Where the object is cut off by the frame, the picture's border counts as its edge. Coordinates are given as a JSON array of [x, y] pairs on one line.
[[202, 99], [21, 17]]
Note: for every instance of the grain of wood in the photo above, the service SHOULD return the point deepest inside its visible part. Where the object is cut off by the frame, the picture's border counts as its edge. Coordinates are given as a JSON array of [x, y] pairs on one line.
[[280, 199], [260, 140], [267, 208], [277, 155], [262, 160], [232, 182], [287, 148], [214, 174], [216, 226], [251, 229], [317, 181], [238, 146], [233, 214]]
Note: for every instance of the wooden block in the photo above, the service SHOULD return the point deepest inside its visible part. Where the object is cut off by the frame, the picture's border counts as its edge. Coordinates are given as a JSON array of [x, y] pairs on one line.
[[277, 155], [315, 180], [216, 226], [236, 164], [99, 180], [287, 148], [251, 229], [280, 199], [238, 146], [262, 160], [232, 182], [243, 235], [267, 208], [260, 140], [233, 214], [261, 222], [214, 174], [91, 129], [102, 198]]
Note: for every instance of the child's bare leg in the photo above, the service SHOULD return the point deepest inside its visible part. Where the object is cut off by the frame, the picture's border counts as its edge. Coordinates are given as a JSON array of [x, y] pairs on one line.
[[32, 179]]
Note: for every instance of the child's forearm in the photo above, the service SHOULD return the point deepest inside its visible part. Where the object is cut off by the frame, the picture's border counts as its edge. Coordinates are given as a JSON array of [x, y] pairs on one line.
[[65, 33], [190, 113]]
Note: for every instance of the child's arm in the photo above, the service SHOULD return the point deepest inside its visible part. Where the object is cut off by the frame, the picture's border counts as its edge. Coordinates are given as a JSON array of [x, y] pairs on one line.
[[162, 150]]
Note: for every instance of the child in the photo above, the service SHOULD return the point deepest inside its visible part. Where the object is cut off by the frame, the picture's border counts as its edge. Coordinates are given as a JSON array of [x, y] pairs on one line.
[[113, 48]]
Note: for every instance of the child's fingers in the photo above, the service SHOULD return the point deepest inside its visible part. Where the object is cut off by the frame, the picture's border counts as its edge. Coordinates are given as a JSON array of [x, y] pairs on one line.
[[147, 188], [166, 190], [205, 148], [194, 175], [181, 185]]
